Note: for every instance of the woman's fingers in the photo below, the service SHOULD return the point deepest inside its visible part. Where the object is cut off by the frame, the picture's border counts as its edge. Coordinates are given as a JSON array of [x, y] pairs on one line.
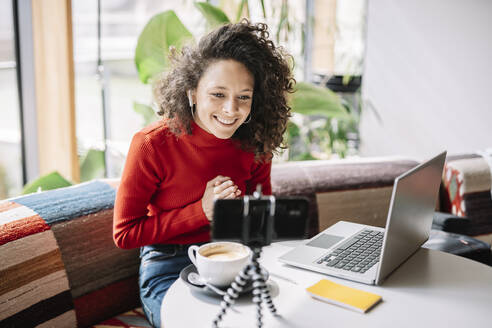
[[209, 195], [229, 193], [232, 195], [218, 180], [219, 188], [226, 190]]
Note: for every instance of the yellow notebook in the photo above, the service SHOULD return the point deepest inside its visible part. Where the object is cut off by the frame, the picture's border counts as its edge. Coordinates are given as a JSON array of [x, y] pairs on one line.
[[348, 297]]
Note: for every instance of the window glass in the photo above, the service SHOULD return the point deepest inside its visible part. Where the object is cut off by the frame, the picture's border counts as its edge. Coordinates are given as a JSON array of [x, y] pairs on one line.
[[337, 62], [123, 20], [121, 23], [338, 37], [10, 130]]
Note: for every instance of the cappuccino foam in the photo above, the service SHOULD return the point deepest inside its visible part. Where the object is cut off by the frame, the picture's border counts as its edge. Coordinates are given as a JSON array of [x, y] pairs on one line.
[[223, 255]]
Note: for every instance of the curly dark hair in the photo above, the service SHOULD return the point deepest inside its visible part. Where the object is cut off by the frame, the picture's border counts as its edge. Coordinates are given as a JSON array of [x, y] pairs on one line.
[[248, 44]]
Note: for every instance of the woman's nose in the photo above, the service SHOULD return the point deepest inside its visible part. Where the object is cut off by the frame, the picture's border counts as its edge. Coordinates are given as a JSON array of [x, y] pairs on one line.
[[230, 106]]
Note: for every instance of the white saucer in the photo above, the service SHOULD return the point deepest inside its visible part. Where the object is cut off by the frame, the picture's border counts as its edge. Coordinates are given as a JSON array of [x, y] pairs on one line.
[[204, 289]]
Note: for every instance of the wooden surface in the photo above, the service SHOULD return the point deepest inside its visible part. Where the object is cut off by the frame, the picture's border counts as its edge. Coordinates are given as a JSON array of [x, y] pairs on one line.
[[54, 80], [325, 29]]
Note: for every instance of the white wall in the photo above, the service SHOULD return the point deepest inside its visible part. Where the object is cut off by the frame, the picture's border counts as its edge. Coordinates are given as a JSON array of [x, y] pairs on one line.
[[428, 76]]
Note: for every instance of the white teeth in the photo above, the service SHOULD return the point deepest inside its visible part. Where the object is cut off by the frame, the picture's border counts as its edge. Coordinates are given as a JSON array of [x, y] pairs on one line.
[[221, 120]]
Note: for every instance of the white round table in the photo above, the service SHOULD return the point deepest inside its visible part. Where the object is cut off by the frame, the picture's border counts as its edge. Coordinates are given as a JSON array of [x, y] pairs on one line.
[[431, 289]]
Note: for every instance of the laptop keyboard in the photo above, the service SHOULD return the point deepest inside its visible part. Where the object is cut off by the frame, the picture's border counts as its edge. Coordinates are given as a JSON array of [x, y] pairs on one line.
[[358, 254]]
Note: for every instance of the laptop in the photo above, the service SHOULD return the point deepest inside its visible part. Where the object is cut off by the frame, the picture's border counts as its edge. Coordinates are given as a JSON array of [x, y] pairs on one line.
[[369, 254]]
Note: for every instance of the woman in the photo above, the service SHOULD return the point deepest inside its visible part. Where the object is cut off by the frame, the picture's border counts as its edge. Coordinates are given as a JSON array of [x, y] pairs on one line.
[[225, 111]]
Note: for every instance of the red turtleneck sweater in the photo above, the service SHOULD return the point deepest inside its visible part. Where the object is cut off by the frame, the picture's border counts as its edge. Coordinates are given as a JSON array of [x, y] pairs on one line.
[[159, 197]]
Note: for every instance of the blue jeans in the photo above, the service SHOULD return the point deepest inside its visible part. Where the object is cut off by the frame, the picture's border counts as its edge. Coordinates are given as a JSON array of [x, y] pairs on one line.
[[160, 266]]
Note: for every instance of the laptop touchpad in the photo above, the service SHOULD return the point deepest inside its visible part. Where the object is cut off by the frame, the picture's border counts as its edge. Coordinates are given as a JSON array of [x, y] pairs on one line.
[[324, 241]]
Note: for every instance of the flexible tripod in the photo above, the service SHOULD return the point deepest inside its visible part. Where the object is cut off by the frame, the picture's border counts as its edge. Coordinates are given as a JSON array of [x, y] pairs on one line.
[[255, 239], [261, 294]]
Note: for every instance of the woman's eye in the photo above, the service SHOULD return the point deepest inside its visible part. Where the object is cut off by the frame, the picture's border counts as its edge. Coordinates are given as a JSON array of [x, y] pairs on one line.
[[218, 95], [244, 97]]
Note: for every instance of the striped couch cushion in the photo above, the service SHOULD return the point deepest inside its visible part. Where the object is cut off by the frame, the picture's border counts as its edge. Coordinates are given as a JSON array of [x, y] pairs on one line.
[[34, 289], [65, 237]]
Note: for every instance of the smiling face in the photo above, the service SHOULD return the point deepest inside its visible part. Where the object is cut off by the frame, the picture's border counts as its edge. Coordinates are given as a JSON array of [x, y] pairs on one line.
[[223, 97]]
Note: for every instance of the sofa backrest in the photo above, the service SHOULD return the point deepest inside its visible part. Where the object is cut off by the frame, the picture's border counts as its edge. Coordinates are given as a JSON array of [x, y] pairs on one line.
[[356, 190]]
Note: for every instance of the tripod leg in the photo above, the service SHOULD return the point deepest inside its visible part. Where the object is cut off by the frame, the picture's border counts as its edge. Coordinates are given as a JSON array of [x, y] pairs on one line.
[[267, 298], [257, 301], [259, 282], [232, 294], [252, 272]]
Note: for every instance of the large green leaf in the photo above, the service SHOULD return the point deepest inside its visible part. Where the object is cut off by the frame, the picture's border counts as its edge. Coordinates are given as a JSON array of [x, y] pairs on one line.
[[147, 112], [53, 180], [310, 99], [214, 16], [162, 31]]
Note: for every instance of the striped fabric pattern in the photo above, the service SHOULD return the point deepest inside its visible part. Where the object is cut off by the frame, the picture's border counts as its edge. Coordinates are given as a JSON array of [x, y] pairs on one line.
[[467, 193], [130, 319], [79, 222], [34, 289], [453, 182], [91, 258], [100, 304], [68, 203]]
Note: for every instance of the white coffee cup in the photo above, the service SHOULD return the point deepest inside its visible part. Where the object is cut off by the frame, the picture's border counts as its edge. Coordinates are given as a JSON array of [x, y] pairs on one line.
[[218, 263]]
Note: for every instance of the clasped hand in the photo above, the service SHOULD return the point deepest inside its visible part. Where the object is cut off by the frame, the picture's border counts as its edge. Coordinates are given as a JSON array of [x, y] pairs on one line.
[[219, 187]]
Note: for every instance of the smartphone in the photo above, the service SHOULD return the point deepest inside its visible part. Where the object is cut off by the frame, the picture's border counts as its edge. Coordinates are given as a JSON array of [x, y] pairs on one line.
[[289, 220]]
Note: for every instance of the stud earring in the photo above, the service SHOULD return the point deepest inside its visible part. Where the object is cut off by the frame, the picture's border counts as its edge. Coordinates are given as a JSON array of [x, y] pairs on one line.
[[192, 105]]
